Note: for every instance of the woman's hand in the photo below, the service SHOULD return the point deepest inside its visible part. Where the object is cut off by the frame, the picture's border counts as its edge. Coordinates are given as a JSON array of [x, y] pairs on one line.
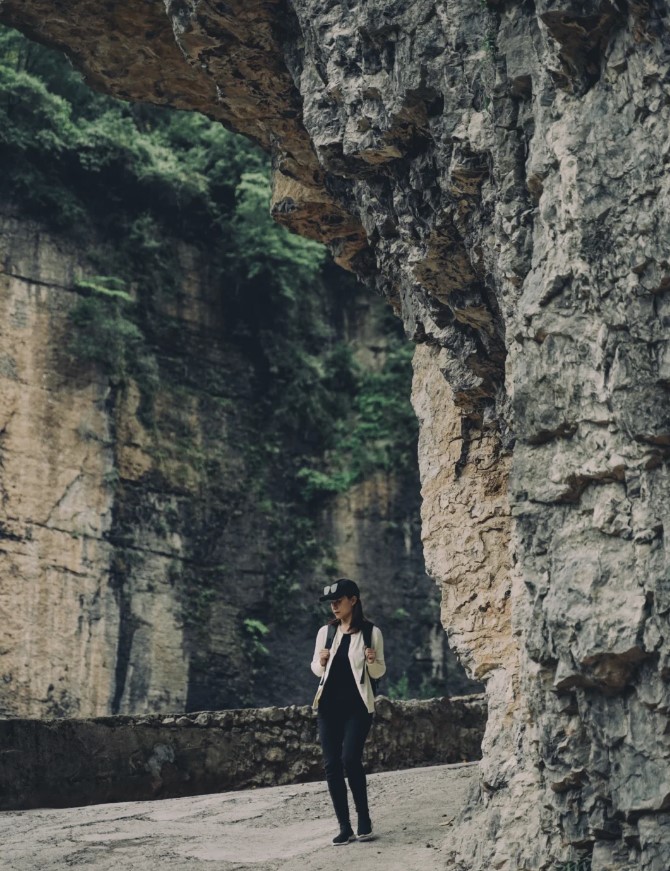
[[324, 656], [370, 654]]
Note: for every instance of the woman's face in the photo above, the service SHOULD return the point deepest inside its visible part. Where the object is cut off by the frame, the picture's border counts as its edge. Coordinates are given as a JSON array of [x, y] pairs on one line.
[[343, 607]]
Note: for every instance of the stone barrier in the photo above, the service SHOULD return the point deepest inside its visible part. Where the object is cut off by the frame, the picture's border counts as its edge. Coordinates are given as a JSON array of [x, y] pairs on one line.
[[70, 762]]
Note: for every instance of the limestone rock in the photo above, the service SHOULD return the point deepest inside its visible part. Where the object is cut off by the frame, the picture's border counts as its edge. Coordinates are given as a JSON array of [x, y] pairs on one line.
[[123, 540], [507, 163]]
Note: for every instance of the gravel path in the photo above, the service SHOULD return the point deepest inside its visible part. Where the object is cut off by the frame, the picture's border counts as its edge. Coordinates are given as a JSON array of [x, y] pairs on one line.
[[283, 827]]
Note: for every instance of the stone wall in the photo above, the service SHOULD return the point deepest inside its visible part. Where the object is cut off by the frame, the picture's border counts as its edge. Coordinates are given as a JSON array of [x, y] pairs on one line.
[[64, 763]]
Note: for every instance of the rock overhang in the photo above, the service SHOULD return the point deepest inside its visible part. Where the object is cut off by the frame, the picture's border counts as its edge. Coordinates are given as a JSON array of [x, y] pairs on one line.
[[357, 132]]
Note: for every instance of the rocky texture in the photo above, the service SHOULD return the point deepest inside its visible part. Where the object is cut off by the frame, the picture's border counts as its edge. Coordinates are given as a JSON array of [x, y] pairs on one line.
[[508, 165], [211, 60], [466, 528], [59, 623], [124, 537], [375, 530], [125, 759], [465, 521]]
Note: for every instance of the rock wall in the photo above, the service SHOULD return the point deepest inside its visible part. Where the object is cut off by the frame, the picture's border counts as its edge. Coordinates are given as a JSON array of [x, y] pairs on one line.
[[59, 624], [96, 620], [503, 170], [466, 529], [133, 548], [126, 759], [375, 530]]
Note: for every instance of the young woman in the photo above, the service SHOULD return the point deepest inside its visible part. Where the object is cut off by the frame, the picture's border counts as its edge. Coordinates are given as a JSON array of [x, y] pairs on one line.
[[344, 701]]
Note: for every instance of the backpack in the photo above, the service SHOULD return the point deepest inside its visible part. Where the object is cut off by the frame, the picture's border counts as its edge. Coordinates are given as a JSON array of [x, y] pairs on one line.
[[367, 639]]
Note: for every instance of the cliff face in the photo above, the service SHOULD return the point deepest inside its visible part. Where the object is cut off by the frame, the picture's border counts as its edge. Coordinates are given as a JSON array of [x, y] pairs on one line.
[[92, 533], [58, 622], [502, 168], [137, 542]]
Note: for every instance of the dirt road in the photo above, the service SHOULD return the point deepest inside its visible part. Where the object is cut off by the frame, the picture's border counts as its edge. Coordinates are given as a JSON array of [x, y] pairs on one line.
[[284, 827]]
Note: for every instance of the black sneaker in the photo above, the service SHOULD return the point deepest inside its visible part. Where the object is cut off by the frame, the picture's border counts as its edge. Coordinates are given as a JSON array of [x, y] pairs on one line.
[[344, 837], [364, 830]]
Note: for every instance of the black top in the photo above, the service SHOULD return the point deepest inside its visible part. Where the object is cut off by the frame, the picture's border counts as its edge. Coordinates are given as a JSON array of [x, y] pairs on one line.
[[340, 690]]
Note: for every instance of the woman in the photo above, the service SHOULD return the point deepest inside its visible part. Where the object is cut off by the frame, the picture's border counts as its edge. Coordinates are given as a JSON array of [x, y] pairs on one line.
[[344, 701]]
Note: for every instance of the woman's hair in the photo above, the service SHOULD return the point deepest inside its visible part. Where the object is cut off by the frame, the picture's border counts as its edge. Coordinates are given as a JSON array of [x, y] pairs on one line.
[[357, 617]]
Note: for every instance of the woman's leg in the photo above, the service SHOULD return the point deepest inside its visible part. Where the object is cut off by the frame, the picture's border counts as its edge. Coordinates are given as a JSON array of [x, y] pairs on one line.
[[331, 734], [356, 729]]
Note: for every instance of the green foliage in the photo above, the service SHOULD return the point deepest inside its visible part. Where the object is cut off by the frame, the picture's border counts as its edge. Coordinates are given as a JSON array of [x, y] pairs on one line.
[[200, 600], [131, 184], [318, 483], [78, 157], [379, 431], [256, 630], [103, 334], [430, 688], [106, 285], [142, 177], [256, 627], [385, 429], [400, 689], [490, 40], [490, 43], [263, 250]]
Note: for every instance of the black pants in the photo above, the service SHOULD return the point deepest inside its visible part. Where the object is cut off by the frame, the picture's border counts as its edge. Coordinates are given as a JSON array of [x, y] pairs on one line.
[[343, 735]]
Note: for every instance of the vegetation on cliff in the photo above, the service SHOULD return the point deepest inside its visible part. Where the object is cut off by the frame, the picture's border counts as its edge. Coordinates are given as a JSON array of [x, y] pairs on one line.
[[143, 177], [133, 185]]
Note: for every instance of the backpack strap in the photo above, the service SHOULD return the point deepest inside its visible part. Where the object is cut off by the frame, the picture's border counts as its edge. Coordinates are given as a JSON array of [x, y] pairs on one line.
[[367, 632], [330, 637], [368, 626]]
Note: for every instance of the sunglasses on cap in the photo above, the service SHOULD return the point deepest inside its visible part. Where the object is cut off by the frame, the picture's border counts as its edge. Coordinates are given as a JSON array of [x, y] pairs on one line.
[[342, 587]]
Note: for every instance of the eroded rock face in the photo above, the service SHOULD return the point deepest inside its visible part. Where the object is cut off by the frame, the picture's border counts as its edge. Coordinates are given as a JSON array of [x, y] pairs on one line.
[[58, 624], [127, 524], [507, 165], [466, 522]]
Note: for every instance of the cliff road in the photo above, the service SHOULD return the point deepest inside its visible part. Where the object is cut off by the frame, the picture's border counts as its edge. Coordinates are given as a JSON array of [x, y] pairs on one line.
[[498, 172]]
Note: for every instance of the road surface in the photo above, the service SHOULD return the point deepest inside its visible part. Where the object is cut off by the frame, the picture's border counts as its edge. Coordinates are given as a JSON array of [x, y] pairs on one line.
[[283, 827]]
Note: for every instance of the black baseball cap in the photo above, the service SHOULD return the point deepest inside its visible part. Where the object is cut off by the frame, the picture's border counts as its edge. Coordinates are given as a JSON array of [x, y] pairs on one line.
[[341, 587]]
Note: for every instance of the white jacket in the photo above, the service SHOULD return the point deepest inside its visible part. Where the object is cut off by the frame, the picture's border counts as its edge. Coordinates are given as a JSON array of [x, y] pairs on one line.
[[357, 659]]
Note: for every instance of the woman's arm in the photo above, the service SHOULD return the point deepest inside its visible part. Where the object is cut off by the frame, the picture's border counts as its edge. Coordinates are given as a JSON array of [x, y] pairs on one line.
[[377, 668], [321, 635]]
